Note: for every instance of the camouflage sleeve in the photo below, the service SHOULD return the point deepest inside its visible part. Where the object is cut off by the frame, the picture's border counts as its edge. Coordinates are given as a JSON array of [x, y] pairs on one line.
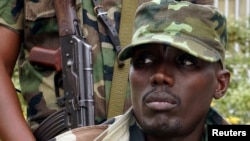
[[11, 14]]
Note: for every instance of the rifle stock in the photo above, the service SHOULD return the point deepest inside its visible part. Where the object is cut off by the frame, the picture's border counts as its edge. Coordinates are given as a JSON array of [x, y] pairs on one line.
[[77, 71]]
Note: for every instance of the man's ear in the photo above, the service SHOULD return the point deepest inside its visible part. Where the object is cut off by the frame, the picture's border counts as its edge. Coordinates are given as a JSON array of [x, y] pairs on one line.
[[223, 78]]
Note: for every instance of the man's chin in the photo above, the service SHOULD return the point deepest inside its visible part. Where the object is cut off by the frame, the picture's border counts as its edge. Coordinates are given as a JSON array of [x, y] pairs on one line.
[[160, 130]]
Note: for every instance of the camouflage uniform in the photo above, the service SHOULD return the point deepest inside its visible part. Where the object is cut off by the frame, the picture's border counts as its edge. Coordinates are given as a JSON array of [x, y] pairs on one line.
[[35, 21], [196, 29]]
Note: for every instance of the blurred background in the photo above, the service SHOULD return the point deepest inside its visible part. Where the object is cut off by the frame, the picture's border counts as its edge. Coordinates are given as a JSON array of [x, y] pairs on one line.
[[235, 106]]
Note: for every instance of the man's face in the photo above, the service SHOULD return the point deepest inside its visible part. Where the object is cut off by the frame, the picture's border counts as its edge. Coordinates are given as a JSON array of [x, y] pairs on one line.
[[171, 90]]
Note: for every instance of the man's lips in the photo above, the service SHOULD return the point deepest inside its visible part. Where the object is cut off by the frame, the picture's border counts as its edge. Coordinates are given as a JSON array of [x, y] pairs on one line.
[[160, 101]]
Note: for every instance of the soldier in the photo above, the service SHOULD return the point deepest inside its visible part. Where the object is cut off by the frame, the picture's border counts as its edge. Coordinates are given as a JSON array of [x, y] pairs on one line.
[[177, 67], [28, 24]]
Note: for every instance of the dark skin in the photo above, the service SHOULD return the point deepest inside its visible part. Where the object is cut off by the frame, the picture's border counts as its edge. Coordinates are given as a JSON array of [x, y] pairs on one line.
[[172, 92], [13, 126]]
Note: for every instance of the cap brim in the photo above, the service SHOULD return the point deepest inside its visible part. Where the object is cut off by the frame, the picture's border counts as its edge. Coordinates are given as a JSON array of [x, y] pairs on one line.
[[186, 44]]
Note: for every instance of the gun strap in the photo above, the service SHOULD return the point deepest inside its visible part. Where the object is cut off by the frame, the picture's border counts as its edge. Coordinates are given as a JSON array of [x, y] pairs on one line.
[[111, 31], [120, 75]]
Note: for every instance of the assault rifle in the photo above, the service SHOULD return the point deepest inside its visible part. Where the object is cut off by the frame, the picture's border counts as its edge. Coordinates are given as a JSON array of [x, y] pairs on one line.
[[76, 67]]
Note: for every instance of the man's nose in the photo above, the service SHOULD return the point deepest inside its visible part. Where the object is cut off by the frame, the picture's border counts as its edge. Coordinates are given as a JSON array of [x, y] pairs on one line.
[[162, 76]]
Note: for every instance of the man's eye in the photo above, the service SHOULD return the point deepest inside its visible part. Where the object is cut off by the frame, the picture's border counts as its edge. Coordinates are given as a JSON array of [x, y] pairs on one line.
[[186, 60], [148, 60], [142, 61]]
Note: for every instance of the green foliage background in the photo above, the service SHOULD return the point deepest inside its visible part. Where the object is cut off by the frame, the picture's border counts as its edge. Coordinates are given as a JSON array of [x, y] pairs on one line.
[[235, 105]]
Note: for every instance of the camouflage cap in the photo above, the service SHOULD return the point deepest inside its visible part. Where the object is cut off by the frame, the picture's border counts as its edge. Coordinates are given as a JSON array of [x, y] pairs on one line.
[[197, 29]]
